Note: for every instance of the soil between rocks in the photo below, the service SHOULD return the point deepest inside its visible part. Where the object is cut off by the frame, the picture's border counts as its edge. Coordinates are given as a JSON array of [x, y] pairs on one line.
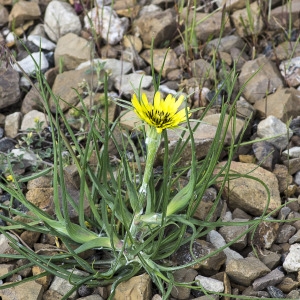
[[271, 47]]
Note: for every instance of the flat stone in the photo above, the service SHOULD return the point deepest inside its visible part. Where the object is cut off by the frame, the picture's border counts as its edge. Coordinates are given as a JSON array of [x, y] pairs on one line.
[[247, 194], [287, 285], [41, 42], [28, 290], [293, 152], [245, 271], [210, 284], [273, 278], [286, 231], [138, 287], [29, 120], [28, 64], [12, 124], [270, 128], [283, 176], [266, 80]]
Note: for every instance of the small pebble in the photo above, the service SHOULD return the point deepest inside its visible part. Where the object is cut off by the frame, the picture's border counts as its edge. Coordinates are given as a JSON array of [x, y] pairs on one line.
[[275, 292]]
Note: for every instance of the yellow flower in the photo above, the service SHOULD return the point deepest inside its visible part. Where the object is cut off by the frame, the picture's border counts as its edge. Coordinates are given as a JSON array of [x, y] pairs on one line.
[[10, 178], [36, 119], [162, 114]]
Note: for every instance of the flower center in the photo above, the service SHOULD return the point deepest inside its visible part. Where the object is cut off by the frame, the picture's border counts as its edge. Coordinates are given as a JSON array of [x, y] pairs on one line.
[[159, 117]]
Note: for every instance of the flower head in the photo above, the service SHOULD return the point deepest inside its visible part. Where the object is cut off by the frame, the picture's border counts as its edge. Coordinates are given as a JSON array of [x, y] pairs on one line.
[[162, 114], [10, 178]]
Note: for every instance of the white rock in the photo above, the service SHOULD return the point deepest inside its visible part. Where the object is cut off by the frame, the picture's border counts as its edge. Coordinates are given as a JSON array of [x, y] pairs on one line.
[[297, 178], [218, 241], [276, 130], [292, 261], [293, 152], [30, 118], [107, 23], [28, 157], [10, 37], [60, 19], [31, 62], [41, 42], [210, 284], [113, 66]]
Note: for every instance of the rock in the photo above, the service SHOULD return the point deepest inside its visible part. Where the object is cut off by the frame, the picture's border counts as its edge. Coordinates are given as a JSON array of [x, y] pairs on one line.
[[6, 144], [29, 64], [128, 8], [42, 198], [72, 50], [245, 271], [3, 15], [156, 25], [32, 101], [265, 235], [127, 83], [27, 157], [45, 280], [91, 297], [5, 248], [244, 109], [293, 295], [200, 249], [283, 213], [292, 260], [62, 286], [293, 165], [271, 127], [138, 287], [112, 66], [290, 70], [60, 19], [30, 119], [52, 295], [5, 268], [107, 24], [283, 176], [202, 70], [286, 50], [283, 104], [247, 194], [266, 154], [12, 124], [218, 241], [232, 5], [41, 42], [163, 57], [266, 80], [183, 275], [66, 82], [275, 292], [23, 11], [206, 204], [28, 290], [30, 237], [287, 285], [133, 42], [232, 232], [210, 284], [9, 86], [207, 26], [225, 44], [269, 258], [273, 278], [248, 27]]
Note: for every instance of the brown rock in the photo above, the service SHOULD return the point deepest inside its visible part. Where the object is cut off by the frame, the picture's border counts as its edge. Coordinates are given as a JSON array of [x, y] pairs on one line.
[[286, 50], [30, 237], [132, 41], [40, 182], [5, 248], [283, 104], [45, 280], [52, 295], [245, 271], [245, 28], [23, 11], [157, 25], [42, 198], [138, 287], [170, 62], [283, 176], [28, 290], [247, 194], [5, 268], [287, 285], [269, 258], [202, 70], [266, 80]]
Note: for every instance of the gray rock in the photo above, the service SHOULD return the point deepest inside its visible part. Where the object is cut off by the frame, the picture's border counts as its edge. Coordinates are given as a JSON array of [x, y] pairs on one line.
[[286, 231], [295, 238], [292, 260], [29, 119], [3, 15], [60, 19], [62, 286], [107, 24], [9, 86], [275, 292], [127, 83], [12, 124], [6, 144], [210, 284], [30, 63], [218, 241], [273, 278], [269, 258], [5, 247], [270, 128], [41, 42], [245, 271], [183, 275], [113, 66], [226, 43], [265, 81], [293, 152], [28, 157]]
